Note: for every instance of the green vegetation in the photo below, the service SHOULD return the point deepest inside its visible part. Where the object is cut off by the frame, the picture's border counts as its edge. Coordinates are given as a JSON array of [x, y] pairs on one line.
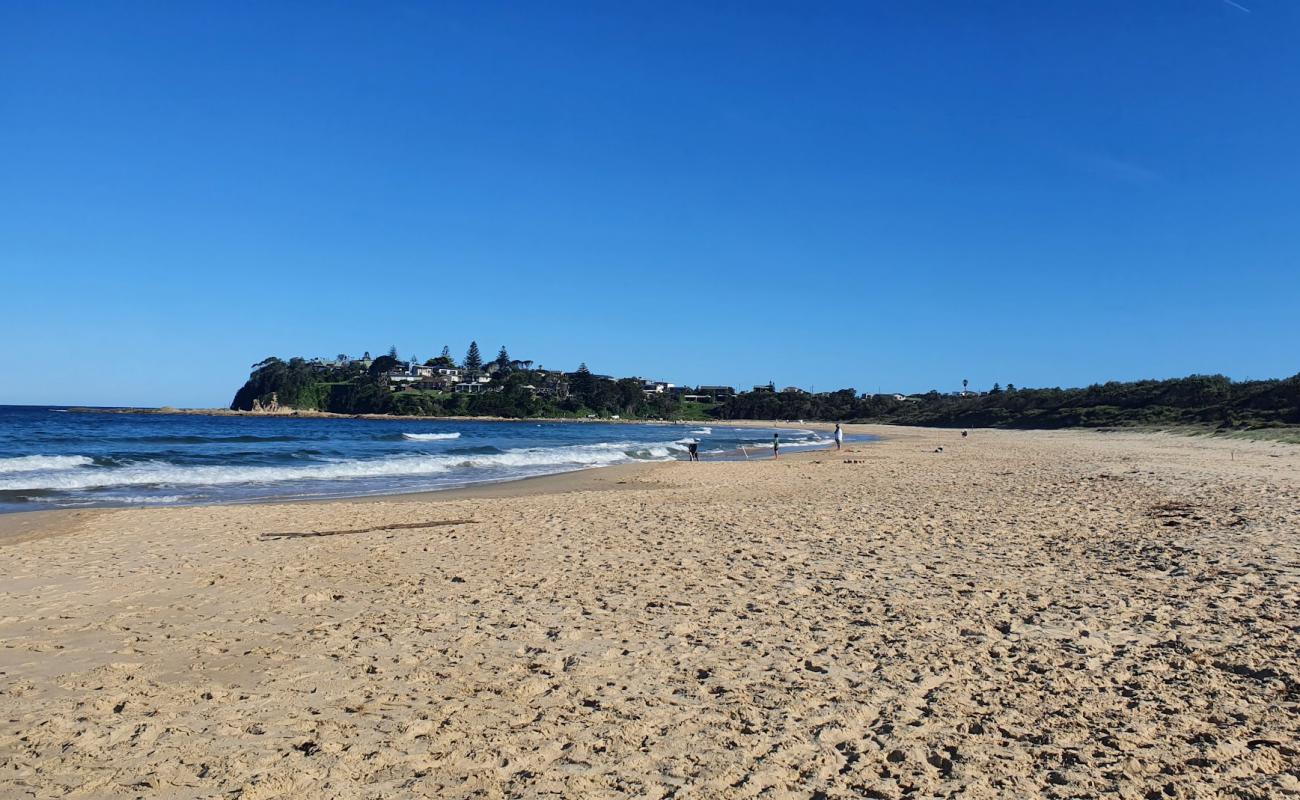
[[510, 388], [1198, 401]]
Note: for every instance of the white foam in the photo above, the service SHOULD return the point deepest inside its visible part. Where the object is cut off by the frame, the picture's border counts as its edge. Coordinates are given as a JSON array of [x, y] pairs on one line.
[[164, 498], [35, 463], [162, 473], [429, 437], [702, 431], [814, 442]]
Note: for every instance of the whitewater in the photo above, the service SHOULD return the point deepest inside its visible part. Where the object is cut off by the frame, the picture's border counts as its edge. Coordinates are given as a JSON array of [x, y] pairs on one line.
[[50, 457]]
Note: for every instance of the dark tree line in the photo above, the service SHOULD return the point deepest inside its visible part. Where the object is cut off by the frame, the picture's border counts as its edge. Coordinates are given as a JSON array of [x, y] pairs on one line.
[[354, 390], [1203, 400]]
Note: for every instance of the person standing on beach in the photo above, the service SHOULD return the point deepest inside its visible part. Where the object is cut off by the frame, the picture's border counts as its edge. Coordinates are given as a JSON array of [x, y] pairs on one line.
[[693, 448], [839, 436], [776, 445]]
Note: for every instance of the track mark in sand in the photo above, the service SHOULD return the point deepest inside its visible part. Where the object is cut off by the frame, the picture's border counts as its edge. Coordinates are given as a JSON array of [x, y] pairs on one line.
[[268, 537]]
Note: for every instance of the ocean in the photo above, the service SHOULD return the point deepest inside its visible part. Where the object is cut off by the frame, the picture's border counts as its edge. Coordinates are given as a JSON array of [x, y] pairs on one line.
[[59, 458]]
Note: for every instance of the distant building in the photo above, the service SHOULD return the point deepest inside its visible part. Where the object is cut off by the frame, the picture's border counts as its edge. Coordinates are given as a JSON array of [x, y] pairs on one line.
[[655, 387], [409, 374], [767, 387], [715, 393], [793, 390]]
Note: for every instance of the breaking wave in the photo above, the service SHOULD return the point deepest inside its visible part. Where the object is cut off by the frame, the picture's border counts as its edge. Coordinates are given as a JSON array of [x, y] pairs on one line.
[[163, 473], [429, 437], [37, 463]]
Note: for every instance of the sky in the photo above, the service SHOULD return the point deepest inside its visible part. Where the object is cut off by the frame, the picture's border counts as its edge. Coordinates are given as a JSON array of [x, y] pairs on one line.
[[889, 196]]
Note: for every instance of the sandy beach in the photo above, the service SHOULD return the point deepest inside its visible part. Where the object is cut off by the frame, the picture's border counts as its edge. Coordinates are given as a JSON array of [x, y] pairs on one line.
[[1024, 614]]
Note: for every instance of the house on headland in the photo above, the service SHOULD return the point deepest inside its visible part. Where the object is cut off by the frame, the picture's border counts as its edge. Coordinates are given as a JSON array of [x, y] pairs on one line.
[[651, 388], [716, 394]]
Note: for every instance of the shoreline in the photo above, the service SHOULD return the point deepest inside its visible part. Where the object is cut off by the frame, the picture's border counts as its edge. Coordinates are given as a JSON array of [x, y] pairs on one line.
[[19, 527], [22, 526], [13, 531]]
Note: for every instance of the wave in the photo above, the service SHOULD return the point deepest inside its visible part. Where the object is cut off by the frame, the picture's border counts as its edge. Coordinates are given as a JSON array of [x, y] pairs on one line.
[[766, 444], [132, 499], [813, 442], [161, 498], [429, 437], [37, 463], [702, 431], [162, 473]]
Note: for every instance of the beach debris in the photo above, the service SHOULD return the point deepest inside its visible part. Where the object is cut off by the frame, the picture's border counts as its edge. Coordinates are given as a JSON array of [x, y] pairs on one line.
[[437, 523]]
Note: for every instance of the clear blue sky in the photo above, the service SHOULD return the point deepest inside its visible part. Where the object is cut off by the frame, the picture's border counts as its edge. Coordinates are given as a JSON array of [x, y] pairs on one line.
[[891, 195]]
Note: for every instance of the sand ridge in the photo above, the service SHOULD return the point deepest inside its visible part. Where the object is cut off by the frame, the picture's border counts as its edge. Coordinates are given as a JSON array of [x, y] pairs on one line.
[[1025, 614]]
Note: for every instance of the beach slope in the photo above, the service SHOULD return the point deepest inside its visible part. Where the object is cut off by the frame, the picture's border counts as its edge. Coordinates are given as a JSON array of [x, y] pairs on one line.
[[1023, 614]]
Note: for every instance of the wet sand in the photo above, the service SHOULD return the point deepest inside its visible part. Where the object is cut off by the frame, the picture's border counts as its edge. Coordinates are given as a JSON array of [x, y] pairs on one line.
[[1026, 614]]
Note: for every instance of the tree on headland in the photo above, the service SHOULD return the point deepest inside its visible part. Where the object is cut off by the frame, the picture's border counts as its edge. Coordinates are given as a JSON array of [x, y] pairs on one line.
[[582, 383], [473, 361], [443, 361], [503, 359], [392, 352], [382, 365]]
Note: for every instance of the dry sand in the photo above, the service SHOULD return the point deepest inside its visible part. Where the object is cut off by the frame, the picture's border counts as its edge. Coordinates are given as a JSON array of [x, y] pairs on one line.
[[1023, 615]]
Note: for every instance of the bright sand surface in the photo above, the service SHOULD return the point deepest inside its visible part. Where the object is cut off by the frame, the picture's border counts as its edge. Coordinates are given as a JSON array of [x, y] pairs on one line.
[[1025, 614]]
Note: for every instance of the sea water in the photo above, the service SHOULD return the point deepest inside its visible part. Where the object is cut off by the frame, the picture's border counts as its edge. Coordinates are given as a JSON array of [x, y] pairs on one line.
[[59, 458]]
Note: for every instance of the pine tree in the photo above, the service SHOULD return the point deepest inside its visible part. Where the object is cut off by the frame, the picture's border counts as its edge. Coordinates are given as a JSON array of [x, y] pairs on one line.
[[446, 352], [503, 359], [473, 361], [582, 384], [392, 353]]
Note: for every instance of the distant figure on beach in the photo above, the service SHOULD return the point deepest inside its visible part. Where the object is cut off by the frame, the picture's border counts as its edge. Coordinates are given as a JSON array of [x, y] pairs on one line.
[[693, 448], [963, 434], [776, 445], [839, 436]]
